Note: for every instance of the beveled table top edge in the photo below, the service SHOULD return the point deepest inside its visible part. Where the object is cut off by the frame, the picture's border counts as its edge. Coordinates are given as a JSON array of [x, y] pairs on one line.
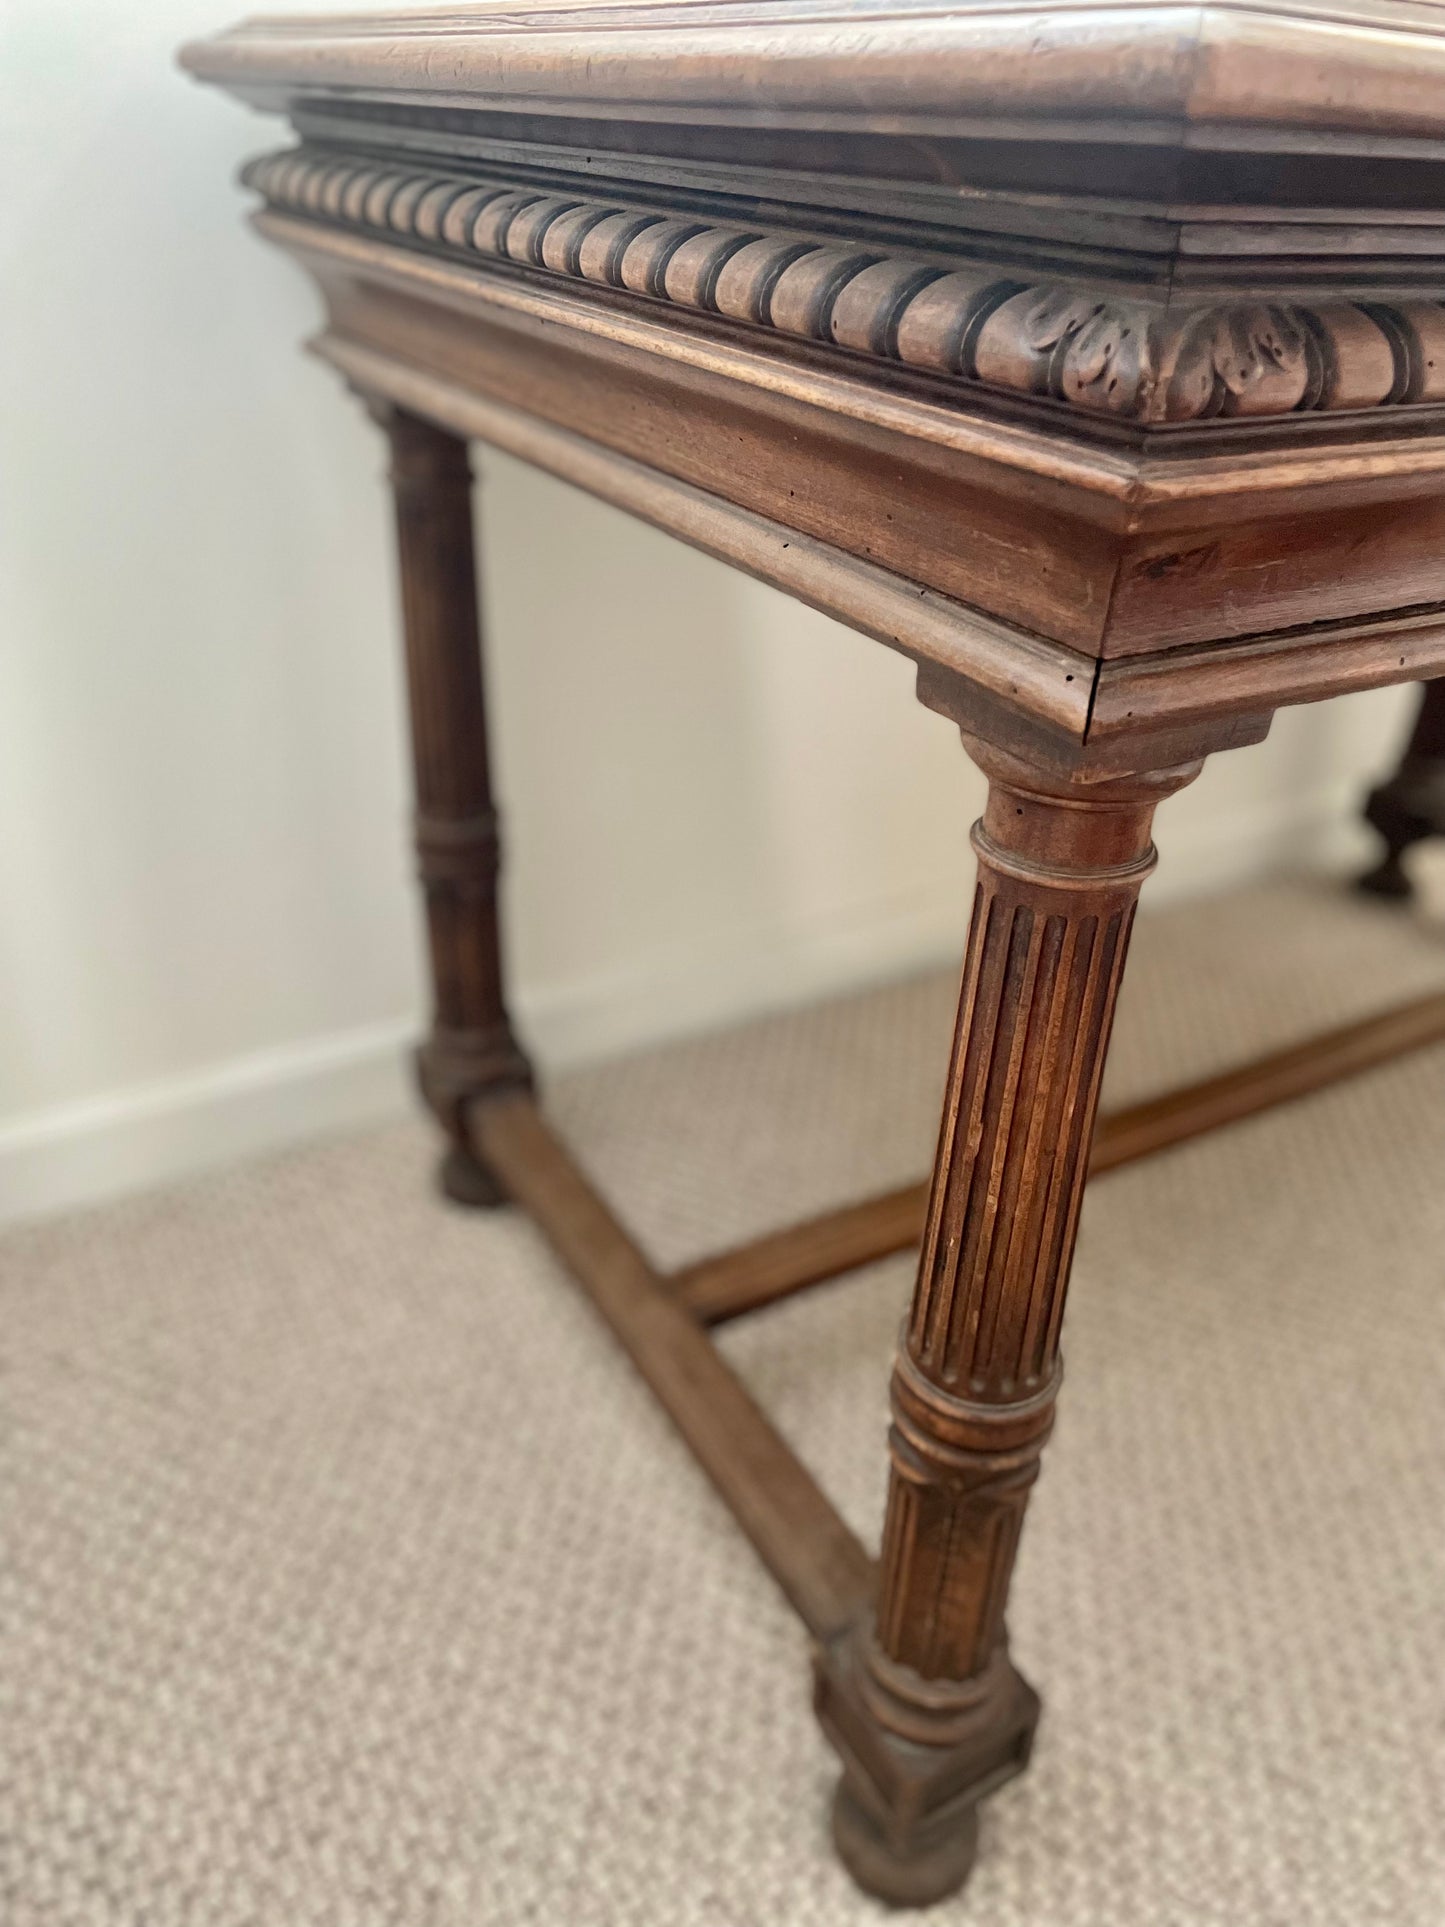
[[1373, 70]]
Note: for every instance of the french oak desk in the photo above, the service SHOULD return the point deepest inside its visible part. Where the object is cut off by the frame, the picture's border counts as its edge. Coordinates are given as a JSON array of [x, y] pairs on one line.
[[1092, 356]]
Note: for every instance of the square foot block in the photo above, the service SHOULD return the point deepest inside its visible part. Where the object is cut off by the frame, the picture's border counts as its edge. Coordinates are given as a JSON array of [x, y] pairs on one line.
[[905, 1819]]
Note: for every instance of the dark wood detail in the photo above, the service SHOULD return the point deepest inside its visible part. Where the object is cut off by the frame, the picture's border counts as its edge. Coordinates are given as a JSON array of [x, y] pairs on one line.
[[1409, 808], [1111, 552], [471, 1049], [1105, 354], [1059, 873], [816, 1560], [752, 1275], [905, 1814]]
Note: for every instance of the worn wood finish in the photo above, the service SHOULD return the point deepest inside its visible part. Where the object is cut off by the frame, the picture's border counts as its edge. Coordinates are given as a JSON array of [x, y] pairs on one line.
[[1059, 873], [750, 1276], [1092, 357], [471, 1049], [1197, 545], [1374, 70], [817, 1561]]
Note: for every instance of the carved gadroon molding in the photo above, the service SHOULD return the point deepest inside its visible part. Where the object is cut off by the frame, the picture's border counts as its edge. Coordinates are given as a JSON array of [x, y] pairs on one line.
[[1102, 353]]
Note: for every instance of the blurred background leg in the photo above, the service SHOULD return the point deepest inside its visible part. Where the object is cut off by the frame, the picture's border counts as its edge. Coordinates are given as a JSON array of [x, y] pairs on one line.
[[1410, 807], [471, 1051]]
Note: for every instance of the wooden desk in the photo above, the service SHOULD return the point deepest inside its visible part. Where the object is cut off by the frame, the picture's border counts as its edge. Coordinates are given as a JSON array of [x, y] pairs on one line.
[[1093, 358]]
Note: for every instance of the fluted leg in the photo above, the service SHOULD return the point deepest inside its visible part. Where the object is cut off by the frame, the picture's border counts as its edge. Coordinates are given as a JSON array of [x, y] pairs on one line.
[[1410, 807], [924, 1706], [471, 1050]]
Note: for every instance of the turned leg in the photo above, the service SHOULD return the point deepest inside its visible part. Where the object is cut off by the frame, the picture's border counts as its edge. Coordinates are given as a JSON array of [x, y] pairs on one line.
[[471, 1050], [1410, 806], [924, 1705]]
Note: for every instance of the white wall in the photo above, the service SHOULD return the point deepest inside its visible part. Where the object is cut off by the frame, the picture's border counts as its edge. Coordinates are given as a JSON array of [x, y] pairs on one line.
[[207, 944]]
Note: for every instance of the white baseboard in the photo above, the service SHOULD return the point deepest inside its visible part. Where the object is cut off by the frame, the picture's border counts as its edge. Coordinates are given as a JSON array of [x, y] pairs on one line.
[[133, 1140], [703, 985], [104, 1147]]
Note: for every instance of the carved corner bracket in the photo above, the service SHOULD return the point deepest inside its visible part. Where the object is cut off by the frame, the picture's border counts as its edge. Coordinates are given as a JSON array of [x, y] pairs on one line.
[[1103, 354]]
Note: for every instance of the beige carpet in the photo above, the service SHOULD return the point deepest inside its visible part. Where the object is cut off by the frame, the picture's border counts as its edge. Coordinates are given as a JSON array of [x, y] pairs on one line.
[[348, 1577]]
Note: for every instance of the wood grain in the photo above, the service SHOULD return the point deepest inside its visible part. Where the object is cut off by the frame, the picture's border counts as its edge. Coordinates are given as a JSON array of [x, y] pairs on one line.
[[977, 1369], [1376, 70]]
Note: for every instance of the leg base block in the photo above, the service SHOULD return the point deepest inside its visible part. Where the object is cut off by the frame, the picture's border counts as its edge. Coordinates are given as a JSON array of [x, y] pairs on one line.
[[927, 1871], [454, 1070], [462, 1179], [905, 1820]]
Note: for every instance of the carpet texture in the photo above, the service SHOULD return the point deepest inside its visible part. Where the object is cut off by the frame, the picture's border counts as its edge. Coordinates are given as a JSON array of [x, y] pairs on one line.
[[348, 1577]]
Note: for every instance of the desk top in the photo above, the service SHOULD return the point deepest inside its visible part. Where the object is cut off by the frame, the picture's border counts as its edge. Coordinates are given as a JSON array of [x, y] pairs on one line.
[[1186, 75], [1093, 354]]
